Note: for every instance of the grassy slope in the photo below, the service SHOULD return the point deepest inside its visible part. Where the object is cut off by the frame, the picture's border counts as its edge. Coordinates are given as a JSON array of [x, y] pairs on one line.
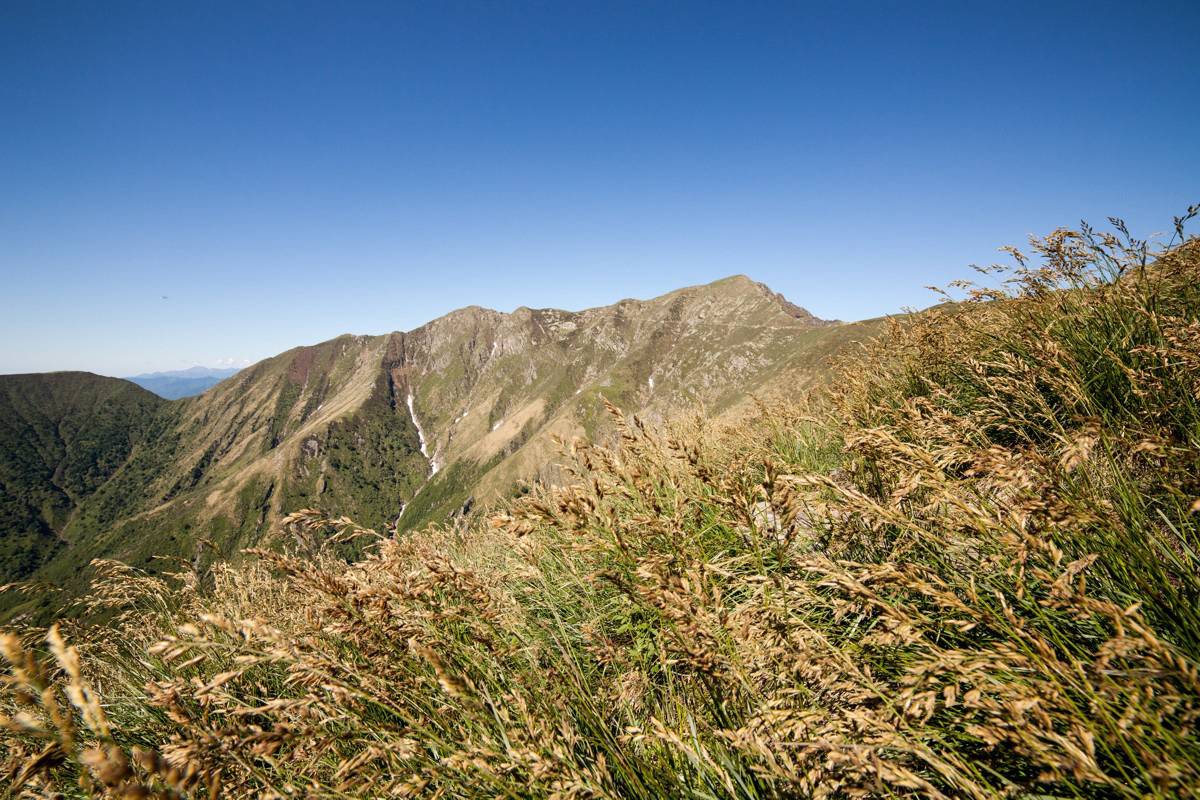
[[546, 373], [328, 425], [967, 570]]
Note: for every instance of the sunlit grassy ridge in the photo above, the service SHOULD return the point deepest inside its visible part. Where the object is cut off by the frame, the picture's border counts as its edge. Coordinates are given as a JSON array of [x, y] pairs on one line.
[[969, 569]]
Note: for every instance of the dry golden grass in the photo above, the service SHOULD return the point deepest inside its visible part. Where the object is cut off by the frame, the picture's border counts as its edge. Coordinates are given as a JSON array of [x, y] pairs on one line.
[[968, 570]]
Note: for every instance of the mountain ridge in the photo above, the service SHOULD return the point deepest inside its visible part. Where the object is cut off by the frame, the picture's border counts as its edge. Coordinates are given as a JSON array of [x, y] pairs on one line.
[[403, 428]]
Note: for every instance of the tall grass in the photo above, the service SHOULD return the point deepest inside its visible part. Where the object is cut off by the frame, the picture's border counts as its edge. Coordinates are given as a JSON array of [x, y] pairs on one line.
[[968, 569]]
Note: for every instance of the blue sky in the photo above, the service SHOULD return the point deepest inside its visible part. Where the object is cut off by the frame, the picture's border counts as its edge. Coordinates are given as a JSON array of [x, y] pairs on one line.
[[285, 172]]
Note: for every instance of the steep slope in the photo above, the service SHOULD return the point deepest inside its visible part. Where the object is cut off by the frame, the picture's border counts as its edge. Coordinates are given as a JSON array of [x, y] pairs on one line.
[[491, 389], [198, 484], [402, 429], [62, 437]]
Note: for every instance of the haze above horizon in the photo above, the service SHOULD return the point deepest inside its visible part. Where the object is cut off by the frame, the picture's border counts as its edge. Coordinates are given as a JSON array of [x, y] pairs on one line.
[[216, 183]]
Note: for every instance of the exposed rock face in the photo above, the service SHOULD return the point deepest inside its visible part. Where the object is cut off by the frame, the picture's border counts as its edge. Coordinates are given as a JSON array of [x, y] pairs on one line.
[[456, 410]]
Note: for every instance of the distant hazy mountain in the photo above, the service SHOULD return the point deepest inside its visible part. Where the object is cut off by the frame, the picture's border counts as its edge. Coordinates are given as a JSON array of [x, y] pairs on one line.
[[175, 384], [395, 431]]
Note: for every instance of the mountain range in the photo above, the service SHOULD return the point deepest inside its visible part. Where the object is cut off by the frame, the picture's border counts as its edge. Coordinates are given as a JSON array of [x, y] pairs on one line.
[[394, 431], [176, 384]]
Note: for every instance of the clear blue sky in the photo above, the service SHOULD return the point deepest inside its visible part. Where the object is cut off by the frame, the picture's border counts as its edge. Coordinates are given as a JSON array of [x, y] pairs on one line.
[[284, 172]]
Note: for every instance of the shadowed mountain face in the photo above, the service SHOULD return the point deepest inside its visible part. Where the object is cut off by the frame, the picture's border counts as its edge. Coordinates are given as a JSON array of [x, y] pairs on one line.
[[394, 431]]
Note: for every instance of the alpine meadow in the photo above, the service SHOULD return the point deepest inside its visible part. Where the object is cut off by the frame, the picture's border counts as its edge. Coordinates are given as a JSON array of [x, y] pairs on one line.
[[650, 466]]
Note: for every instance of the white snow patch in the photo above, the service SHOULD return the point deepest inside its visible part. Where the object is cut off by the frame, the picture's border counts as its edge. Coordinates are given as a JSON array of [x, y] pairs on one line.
[[496, 427], [650, 381]]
